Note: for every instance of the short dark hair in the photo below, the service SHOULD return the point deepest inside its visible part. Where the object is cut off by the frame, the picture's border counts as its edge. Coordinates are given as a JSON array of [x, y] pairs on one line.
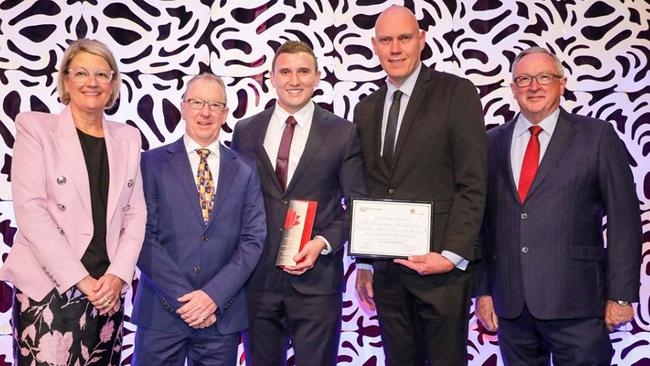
[[294, 47]]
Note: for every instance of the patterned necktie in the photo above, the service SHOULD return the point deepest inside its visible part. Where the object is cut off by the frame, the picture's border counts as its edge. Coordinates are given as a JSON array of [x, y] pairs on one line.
[[529, 166], [391, 128], [205, 184], [282, 161]]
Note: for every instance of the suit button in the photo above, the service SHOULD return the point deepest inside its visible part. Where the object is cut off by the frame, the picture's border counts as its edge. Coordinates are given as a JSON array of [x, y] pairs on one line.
[[126, 208], [196, 269], [121, 231], [204, 237], [60, 207], [61, 180], [129, 183], [391, 191], [60, 230], [524, 216], [524, 250]]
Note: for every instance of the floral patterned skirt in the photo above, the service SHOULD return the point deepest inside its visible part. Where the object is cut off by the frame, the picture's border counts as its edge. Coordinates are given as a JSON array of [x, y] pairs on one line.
[[64, 330]]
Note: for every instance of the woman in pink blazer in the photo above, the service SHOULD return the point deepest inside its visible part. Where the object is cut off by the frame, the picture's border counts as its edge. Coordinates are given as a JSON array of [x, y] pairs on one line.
[[81, 216]]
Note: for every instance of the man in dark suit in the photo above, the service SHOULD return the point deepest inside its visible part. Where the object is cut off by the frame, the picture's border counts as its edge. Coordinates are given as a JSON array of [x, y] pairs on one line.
[[205, 232], [547, 282], [302, 152], [423, 138]]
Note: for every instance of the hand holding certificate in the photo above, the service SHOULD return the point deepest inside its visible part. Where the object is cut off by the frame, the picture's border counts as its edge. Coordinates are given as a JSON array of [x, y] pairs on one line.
[[389, 229]]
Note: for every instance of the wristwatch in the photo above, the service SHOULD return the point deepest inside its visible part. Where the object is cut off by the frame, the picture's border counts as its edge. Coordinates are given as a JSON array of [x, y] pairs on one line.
[[623, 303]]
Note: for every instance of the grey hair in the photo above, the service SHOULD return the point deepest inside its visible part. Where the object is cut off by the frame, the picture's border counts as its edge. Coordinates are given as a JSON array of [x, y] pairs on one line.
[[210, 77], [558, 65]]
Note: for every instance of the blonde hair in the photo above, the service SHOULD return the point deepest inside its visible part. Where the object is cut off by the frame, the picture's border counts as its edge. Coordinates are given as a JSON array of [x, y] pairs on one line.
[[96, 48]]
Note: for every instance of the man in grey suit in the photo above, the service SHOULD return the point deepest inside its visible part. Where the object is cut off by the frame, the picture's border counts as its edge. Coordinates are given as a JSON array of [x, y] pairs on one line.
[[303, 152], [548, 284], [423, 138]]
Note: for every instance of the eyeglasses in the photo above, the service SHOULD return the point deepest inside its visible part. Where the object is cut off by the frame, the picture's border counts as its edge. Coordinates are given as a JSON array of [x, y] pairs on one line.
[[542, 79], [81, 75], [196, 103]]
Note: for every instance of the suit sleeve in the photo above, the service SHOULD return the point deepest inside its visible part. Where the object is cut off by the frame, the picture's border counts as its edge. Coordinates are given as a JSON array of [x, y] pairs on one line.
[[231, 278], [352, 180], [624, 234], [154, 263], [133, 225], [482, 275], [469, 157], [29, 190]]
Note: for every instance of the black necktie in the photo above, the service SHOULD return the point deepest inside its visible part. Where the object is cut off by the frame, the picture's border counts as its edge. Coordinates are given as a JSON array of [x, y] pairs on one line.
[[391, 128]]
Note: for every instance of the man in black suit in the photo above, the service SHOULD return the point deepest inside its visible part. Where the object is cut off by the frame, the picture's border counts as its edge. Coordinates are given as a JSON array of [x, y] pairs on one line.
[[301, 302], [547, 282], [423, 138]]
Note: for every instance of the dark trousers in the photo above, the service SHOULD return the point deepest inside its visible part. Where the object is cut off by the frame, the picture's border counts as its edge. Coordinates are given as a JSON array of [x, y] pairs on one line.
[[423, 318], [311, 322], [528, 341], [153, 347]]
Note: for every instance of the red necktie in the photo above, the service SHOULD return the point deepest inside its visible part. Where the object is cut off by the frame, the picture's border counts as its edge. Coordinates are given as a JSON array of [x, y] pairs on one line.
[[282, 161], [529, 166]]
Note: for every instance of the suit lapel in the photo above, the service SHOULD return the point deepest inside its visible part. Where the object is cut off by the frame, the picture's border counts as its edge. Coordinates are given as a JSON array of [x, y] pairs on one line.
[[179, 163], [259, 126], [227, 172], [69, 148], [420, 89], [317, 136], [503, 144], [117, 151], [559, 141], [375, 120]]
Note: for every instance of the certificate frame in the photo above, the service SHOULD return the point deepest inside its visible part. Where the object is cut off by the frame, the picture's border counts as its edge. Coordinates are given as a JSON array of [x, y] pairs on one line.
[[386, 228]]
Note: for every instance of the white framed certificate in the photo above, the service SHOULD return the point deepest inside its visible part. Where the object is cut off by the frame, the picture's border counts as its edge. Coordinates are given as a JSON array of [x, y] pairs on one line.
[[389, 228]]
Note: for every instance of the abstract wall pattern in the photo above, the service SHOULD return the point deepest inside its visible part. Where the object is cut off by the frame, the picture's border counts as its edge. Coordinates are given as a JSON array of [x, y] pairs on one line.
[[604, 45]]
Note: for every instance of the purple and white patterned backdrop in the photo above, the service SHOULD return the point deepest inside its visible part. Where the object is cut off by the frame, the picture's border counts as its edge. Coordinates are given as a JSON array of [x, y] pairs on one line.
[[159, 44]]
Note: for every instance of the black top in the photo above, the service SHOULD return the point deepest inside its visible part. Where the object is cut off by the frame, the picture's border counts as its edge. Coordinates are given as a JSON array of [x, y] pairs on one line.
[[95, 259]]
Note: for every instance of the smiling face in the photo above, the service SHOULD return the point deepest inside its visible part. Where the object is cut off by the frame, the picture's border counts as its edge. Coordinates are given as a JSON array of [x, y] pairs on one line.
[[203, 124], [294, 77], [91, 95], [537, 101], [398, 43]]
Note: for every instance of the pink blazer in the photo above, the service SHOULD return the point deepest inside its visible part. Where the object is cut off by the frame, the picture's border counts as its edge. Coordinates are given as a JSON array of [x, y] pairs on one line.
[[51, 198]]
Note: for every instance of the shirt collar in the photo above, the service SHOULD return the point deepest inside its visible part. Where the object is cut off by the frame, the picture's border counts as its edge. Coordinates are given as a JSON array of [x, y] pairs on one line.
[[407, 86], [303, 116], [191, 146], [548, 124]]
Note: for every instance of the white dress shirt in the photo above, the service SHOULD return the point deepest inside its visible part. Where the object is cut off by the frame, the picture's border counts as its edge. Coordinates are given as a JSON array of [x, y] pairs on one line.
[[213, 159], [407, 90], [300, 134], [274, 131], [521, 136]]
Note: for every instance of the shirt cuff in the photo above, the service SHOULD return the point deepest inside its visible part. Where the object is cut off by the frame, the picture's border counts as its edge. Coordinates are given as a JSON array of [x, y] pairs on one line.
[[366, 266], [458, 261], [328, 247]]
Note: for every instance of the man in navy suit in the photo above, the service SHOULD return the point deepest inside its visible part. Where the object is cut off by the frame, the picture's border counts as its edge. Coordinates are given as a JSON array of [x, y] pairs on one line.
[[205, 232], [548, 284], [302, 152]]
